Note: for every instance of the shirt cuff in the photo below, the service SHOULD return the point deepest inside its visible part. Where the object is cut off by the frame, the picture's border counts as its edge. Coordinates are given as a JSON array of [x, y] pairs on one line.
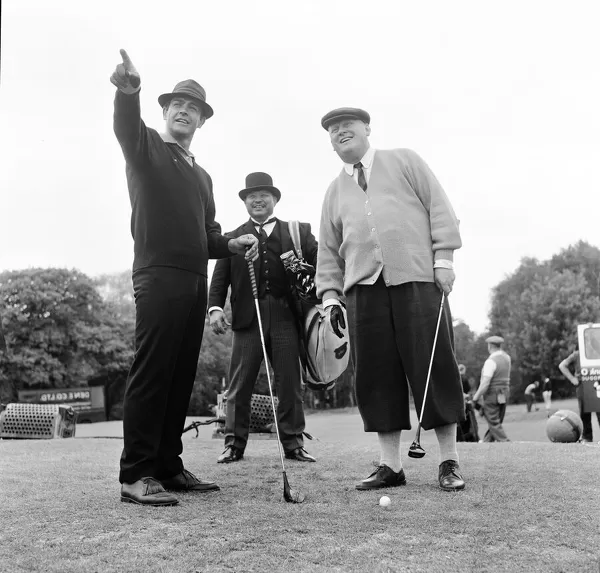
[[214, 308], [331, 302], [443, 264]]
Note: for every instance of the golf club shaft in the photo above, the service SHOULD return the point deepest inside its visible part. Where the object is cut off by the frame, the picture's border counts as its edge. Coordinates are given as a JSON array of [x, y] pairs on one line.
[[264, 348], [437, 329]]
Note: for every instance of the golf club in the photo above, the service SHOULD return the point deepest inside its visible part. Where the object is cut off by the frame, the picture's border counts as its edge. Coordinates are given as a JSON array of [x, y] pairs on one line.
[[415, 450], [290, 495]]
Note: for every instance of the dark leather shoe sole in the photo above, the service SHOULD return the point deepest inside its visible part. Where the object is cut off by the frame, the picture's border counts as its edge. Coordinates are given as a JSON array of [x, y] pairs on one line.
[[229, 459], [151, 500], [378, 485], [300, 458], [197, 487]]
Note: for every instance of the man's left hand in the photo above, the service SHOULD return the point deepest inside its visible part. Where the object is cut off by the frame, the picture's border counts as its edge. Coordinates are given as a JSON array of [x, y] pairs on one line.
[[246, 245], [444, 279]]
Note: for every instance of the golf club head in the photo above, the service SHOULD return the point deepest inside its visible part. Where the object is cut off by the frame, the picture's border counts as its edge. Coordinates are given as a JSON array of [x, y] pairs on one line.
[[415, 450], [290, 495]]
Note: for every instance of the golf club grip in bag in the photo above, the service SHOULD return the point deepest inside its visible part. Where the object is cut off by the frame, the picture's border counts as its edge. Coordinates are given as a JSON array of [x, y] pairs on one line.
[[252, 278]]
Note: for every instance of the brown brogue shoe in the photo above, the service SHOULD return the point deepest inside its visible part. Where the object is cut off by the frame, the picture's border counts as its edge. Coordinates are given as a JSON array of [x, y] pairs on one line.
[[147, 491], [187, 481], [449, 476], [383, 476], [231, 454], [300, 455]]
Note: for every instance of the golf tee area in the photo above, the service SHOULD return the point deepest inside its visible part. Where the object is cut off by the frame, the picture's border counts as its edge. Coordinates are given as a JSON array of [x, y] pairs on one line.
[[529, 506]]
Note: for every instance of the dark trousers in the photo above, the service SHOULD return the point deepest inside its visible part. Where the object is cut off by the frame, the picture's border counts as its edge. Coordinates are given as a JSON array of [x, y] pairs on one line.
[[391, 333], [586, 417], [494, 412], [530, 401], [170, 309], [281, 340]]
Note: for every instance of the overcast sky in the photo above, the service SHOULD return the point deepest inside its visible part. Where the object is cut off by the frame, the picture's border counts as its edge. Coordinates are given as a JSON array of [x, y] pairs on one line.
[[500, 99]]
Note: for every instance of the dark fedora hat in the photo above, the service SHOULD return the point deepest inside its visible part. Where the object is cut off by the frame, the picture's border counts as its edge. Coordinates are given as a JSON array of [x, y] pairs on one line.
[[344, 113], [188, 88], [258, 182]]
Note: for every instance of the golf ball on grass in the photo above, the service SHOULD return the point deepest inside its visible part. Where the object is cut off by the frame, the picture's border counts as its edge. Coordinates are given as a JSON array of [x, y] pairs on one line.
[[385, 501]]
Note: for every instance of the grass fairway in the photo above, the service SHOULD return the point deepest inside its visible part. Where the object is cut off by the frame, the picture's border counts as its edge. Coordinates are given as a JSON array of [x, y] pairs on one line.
[[529, 506]]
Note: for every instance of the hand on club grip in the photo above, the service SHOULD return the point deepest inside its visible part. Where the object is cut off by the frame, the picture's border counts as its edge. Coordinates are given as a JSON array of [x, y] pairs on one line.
[[246, 245], [336, 317], [125, 77]]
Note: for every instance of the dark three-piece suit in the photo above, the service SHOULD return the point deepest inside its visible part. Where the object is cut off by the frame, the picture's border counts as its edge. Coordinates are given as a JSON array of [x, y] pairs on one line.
[[280, 326]]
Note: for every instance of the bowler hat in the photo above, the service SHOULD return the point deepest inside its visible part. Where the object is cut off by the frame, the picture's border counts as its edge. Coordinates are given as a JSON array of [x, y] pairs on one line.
[[494, 340], [188, 88], [344, 113], [257, 182]]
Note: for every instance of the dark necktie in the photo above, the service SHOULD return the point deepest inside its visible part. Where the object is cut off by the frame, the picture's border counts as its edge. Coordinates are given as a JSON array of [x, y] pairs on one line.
[[361, 176], [262, 233]]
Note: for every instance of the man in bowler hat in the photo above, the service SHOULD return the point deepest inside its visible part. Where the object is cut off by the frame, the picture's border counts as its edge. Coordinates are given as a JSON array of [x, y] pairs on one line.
[[279, 316], [174, 233], [493, 389], [387, 238]]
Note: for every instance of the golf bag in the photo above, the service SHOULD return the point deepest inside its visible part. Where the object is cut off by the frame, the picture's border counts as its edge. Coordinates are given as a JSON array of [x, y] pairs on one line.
[[324, 356], [468, 430]]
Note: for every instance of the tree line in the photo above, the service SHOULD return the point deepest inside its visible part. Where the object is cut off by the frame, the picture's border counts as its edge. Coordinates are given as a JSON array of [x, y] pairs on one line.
[[66, 329]]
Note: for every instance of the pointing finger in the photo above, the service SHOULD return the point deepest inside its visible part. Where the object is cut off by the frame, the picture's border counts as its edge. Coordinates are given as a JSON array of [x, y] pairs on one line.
[[126, 59]]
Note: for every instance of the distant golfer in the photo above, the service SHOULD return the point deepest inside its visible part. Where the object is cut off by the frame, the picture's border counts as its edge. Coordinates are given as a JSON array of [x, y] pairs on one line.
[[387, 238], [494, 388], [530, 395], [280, 322], [174, 233]]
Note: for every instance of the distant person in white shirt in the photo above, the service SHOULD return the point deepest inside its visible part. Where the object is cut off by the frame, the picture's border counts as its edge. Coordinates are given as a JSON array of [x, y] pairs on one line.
[[547, 395], [494, 389]]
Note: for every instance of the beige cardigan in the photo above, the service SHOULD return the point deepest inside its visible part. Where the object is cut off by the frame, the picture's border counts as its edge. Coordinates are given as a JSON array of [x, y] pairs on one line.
[[398, 227]]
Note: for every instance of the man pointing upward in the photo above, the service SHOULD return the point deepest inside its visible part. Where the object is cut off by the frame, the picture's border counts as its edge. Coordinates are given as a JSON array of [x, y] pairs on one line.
[[174, 233]]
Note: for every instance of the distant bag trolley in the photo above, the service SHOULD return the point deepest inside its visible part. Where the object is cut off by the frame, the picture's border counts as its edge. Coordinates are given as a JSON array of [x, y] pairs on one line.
[[37, 421], [261, 416]]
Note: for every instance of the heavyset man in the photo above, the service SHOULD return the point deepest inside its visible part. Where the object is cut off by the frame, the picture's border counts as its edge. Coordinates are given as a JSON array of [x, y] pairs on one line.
[[494, 388], [387, 238], [175, 233], [280, 323]]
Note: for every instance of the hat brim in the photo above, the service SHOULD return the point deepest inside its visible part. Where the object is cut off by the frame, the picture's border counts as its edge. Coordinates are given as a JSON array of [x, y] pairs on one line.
[[344, 113], [164, 99], [327, 123], [273, 190]]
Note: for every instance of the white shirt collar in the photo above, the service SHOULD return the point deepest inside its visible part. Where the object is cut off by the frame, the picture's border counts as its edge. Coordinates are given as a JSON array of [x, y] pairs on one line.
[[271, 222], [367, 161], [168, 138]]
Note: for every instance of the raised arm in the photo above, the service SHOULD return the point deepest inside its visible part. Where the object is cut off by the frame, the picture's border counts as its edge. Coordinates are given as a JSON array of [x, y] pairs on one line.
[[127, 123]]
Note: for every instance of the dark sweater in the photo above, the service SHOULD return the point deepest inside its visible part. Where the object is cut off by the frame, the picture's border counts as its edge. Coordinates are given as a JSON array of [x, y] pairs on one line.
[[173, 208]]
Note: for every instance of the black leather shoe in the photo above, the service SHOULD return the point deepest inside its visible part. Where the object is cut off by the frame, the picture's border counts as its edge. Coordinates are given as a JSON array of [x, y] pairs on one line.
[[187, 481], [449, 476], [383, 476], [231, 454], [147, 491], [299, 454]]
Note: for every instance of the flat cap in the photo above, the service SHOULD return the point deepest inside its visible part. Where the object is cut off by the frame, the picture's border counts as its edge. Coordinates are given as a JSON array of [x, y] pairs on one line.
[[344, 113], [495, 340]]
